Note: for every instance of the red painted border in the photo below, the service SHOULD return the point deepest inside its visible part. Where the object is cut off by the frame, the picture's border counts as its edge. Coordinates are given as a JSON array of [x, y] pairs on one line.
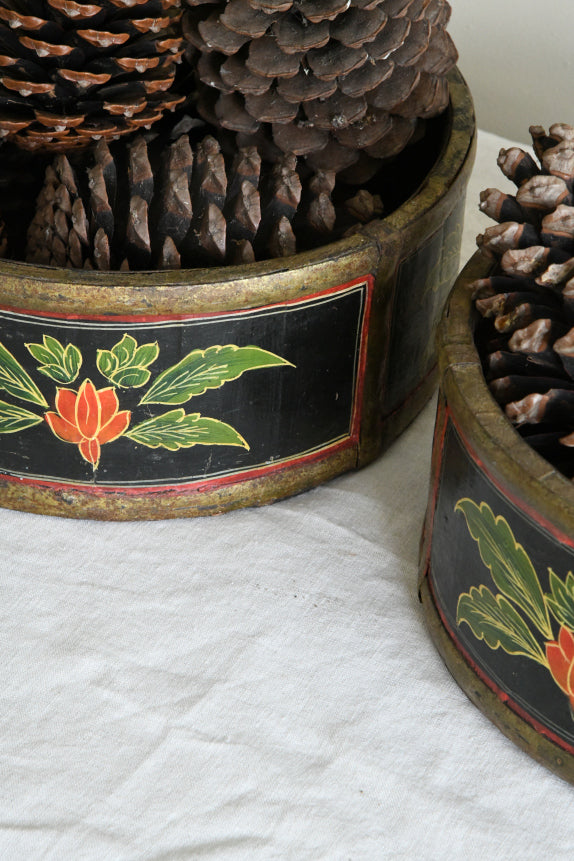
[[200, 485], [532, 513], [445, 414], [197, 486], [437, 457], [502, 696]]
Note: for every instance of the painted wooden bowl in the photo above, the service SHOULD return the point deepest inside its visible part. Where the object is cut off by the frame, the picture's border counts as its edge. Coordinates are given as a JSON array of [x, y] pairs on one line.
[[171, 394], [497, 554]]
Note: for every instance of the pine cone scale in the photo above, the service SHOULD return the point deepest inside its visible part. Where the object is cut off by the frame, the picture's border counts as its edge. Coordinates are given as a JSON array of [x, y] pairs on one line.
[[337, 61], [359, 26], [235, 75], [316, 11], [396, 89], [303, 88], [294, 36], [215, 36], [336, 113], [240, 17], [265, 55], [270, 108], [231, 113], [390, 39], [366, 78]]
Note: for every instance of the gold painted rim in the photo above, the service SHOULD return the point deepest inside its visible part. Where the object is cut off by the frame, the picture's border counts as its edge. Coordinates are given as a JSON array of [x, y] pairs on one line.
[[79, 502]]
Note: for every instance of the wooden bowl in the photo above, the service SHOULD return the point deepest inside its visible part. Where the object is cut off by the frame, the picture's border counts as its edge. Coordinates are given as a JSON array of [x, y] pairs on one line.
[[500, 518], [171, 394]]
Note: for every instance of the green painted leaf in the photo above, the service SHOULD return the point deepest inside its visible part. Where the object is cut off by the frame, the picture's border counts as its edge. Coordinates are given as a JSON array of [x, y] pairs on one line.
[[124, 351], [174, 430], [60, 363], [40, 353], [561, 599], [207, 369], [129, 377], [509, 564], [55, 372], [106, 362], [14, 419], [53, 345], [146, 354], [126, 364], [72, 361], [493, 619], [15, 380]]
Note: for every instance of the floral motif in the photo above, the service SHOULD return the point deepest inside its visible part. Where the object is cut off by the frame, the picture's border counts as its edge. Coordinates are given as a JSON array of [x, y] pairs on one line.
[[560, 655], [508, 619], [88, 418]]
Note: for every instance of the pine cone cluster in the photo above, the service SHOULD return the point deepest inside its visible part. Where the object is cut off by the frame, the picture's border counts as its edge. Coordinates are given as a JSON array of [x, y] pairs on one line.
[[72, 72], [327, 79], [168, 206], [295, 91], [527, 338]]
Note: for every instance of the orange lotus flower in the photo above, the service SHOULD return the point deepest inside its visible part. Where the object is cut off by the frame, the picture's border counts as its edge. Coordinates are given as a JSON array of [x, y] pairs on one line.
[[560, 655], [88, 418]]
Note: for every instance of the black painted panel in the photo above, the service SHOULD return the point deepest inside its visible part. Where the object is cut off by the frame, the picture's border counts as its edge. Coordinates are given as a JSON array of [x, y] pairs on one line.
[[457, 568], [282, 412]]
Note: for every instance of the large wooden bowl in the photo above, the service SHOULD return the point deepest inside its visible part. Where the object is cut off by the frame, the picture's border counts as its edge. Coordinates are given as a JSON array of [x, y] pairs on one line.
[[341, 358]]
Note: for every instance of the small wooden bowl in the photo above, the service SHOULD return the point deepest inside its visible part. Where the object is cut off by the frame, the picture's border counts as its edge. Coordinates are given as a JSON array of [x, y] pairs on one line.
[[251, 383], [499, 518]]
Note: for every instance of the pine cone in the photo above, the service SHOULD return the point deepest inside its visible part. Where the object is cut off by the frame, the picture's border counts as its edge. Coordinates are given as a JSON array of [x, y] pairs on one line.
[[70, 73], [326, 80], [527, 339], [158, 206]]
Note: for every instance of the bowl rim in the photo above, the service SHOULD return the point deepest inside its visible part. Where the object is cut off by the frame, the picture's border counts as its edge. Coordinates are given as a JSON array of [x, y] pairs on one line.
[[45, 288], [524, 474]]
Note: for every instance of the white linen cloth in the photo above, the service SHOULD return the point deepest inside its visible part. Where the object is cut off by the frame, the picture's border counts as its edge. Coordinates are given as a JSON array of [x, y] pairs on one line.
[[258, 685]]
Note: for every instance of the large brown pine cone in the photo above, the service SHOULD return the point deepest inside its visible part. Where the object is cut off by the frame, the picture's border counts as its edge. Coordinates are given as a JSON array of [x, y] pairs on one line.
[[326, 79], [72, 72], [527, 337], [165, 206]]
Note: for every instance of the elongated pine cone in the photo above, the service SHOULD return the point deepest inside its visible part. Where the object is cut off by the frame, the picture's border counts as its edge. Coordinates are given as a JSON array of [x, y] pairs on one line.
[[159, 206], [527, 338], [72, 72], [326, 79]]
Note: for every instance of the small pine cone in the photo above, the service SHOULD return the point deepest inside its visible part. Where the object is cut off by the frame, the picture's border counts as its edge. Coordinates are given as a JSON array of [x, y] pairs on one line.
[[169, 206], [541, 213], [329, 80], [72, 73], [526, 338]]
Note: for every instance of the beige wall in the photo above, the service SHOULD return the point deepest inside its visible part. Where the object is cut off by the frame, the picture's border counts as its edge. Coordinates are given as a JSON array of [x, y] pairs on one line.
[[518, 59]]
